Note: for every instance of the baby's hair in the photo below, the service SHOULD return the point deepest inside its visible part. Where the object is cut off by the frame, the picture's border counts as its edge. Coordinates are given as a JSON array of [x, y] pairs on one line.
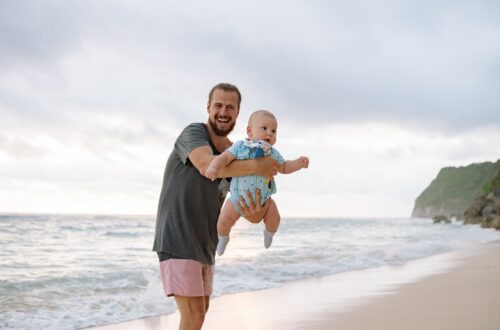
[[260, 113]]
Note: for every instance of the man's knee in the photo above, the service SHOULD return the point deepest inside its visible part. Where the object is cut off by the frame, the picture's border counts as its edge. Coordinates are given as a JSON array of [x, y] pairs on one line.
[[192, 311], [192, 319], [197, 318]]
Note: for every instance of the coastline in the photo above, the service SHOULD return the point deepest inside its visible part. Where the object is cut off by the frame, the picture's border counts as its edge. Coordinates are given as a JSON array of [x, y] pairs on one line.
[[455, 290]]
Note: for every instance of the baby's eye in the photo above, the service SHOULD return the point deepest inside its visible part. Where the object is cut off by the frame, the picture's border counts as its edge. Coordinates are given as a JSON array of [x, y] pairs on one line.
[[274, 131]]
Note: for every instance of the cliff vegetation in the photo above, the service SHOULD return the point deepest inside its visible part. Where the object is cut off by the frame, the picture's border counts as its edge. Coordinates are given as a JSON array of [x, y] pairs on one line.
[[470, 193]]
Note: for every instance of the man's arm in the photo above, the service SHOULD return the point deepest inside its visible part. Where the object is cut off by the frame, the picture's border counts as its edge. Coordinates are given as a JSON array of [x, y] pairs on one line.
[[262, 166], [217, 164], [201, 158]]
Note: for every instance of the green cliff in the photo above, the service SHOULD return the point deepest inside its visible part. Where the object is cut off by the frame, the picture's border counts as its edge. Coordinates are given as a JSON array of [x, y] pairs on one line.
[[455, 189]]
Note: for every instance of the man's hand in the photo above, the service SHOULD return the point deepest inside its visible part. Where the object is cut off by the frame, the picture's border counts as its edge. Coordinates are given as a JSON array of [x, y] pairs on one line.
[[266, 166], [253, 212]]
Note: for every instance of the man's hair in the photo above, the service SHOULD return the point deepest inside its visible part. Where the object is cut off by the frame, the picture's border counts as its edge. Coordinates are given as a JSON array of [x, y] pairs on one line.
[[226, 88]]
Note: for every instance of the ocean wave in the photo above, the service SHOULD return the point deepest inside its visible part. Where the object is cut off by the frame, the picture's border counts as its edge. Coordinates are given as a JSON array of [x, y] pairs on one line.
[[84, 271], [121, 234]]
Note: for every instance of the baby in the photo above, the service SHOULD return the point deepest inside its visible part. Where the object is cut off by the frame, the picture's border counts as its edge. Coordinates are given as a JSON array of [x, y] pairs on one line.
[[261, 131]]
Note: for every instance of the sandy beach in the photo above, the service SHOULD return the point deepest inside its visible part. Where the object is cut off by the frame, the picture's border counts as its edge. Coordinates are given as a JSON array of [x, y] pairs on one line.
[[457, 290]]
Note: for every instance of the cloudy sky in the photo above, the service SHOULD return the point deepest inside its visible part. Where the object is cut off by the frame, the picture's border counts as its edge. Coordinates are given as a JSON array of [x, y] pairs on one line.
[[380, 95]]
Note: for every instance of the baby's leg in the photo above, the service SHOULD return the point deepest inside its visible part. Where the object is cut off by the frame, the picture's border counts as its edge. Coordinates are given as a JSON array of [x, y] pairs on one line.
[[227, 219], [272, 221], [272, 217]]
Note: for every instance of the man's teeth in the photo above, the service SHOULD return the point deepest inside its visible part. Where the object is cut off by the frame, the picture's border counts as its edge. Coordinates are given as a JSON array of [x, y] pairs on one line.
[[225, 121]]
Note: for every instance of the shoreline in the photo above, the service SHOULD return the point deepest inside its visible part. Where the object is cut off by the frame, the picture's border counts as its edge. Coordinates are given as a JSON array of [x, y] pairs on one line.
[[455, 290], [465, 297]]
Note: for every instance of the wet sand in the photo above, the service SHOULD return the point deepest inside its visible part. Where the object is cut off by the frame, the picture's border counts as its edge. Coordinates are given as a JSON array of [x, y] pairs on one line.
[[457, 290]]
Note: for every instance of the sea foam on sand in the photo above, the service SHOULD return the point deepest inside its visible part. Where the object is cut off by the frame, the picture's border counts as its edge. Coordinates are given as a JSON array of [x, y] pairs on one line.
[[457, 290]]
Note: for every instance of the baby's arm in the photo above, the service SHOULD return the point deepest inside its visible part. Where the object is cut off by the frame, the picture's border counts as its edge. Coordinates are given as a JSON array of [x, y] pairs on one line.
[[291, 166], [217, 164]]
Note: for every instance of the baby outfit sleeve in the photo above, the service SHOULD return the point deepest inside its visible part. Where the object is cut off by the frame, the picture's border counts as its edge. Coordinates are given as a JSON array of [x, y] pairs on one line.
[[275, 154], [236, 148]]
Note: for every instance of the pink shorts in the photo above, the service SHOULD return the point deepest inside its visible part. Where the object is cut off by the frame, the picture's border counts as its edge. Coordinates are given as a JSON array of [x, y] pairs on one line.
[[186, 277]]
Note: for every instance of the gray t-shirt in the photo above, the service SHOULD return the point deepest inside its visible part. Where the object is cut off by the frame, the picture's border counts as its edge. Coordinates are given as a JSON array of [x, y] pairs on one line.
[[186, 222]]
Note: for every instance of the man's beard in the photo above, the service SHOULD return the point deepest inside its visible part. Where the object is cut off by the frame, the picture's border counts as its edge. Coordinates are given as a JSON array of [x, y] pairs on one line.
[[217, 130]]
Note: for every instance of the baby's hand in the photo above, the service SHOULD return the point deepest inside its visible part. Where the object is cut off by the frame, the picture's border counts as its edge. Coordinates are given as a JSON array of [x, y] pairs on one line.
[[303, 162], [211, 173]]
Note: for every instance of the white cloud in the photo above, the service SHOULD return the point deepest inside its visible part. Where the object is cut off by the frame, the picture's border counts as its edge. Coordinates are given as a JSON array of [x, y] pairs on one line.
[[379, 95]]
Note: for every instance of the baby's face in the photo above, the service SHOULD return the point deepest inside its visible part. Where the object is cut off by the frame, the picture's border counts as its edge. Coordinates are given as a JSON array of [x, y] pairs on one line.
[[263, 128]]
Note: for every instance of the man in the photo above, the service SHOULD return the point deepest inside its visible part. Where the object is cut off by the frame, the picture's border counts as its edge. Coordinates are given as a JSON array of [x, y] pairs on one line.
[[186, 224]]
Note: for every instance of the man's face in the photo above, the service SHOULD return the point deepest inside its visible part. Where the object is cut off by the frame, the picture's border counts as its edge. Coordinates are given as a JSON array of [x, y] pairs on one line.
[[223, 111]]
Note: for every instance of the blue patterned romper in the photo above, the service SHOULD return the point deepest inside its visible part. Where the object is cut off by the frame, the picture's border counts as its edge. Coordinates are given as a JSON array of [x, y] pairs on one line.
[[249, 149]]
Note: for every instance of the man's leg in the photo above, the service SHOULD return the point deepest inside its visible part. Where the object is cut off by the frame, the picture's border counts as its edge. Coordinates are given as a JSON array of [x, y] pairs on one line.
[[207, 303], [191, 284], [192, 311]]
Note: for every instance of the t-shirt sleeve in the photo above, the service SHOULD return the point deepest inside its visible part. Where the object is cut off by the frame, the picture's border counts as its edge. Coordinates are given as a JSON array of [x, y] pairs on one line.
[[193, 136], [276, 155]]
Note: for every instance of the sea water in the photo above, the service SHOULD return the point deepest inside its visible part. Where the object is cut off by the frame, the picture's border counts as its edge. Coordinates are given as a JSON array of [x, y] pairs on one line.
[[72, 272]]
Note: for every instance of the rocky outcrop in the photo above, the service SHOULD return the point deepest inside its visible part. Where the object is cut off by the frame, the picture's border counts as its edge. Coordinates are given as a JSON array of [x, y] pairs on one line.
[[455, 189], [470, 194], [441, 218], [485, 211]]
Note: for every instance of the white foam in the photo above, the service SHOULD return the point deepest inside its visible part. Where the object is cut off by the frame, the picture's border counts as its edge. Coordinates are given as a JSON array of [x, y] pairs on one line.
[[69, 283]]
